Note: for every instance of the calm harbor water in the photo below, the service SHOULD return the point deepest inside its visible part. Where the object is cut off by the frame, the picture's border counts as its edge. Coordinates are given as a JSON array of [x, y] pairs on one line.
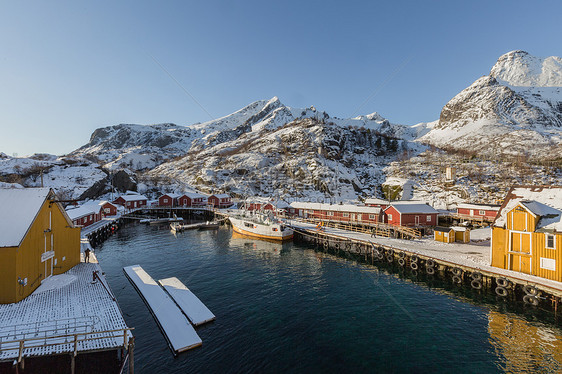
[[286, 308]]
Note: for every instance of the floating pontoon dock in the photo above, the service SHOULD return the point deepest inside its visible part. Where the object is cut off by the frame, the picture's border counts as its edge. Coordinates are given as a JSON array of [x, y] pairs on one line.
[[178, 331], [190, 304]]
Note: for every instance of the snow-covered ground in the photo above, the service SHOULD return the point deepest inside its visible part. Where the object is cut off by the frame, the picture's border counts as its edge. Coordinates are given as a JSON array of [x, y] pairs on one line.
[[64, 304]]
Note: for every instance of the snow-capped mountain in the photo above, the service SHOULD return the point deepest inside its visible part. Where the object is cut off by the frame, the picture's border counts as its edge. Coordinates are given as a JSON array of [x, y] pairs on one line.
[[307, 157], [516, 109]]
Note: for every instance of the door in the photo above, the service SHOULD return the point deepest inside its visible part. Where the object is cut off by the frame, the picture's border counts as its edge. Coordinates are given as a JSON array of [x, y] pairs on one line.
[[417, 220], [520, 253]]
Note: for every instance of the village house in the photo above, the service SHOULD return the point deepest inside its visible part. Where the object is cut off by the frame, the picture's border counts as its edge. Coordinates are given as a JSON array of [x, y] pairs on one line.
[[192, 199], [380, 203], [483, 212], [131, 201], [84, 215], [220, 201], [261, 203], [410, 214], [336, 212], [527, 233], [169, 199], [37, 240]]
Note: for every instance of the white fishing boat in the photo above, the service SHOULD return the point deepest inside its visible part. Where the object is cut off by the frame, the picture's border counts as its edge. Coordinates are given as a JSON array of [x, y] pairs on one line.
[[261, 226]]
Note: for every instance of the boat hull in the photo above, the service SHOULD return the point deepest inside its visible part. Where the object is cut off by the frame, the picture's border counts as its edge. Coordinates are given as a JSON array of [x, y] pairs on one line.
[[258, 232]]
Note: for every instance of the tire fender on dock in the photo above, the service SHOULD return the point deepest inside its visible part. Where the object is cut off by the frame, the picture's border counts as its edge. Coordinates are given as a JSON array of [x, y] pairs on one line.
[[501, 291], [531, 299]]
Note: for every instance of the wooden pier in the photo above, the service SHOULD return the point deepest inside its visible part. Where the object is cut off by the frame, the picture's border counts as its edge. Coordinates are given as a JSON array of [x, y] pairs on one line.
[[504, 283], [186, 300], [179, 333]]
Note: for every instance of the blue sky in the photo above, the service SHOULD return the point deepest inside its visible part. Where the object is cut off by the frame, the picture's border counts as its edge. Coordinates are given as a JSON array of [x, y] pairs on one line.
[[69, 67]]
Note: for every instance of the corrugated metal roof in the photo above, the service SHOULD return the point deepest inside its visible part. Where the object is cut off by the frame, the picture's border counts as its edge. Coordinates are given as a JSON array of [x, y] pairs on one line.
[[19, 207]]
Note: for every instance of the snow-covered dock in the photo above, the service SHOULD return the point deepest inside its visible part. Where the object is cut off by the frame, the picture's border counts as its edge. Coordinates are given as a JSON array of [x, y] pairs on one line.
[[68, 313], [469, 258], [178, 331], [190, 304]]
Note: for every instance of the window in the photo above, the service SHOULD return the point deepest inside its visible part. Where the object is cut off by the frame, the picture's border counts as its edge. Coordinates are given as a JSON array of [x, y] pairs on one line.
[[428, 218], [330, 213], [548, 264], [550, 241], [371, 216], [165, 200], [390, 217], [482, 212], [359, 217], [345, 215], [274, 228]]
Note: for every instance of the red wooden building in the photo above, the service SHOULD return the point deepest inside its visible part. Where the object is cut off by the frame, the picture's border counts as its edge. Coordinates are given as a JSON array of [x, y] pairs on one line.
[[220, 201], [485, 212], [336, 212], [131, 201], [380, 203], [84, 215], [192, 199], [169, 199], [410, 214]]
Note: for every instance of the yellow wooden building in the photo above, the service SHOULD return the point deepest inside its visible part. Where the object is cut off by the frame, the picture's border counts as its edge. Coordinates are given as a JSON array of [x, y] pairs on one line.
[[37, 240], [527, 233], [444, 234]]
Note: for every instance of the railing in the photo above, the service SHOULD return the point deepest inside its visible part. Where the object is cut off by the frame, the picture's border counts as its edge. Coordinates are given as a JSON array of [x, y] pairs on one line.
[[378, 229], [73, 342]]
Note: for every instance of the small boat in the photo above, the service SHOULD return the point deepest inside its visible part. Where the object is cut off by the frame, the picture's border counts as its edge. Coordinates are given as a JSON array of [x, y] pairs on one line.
[[158, 221], [209, 225], [261, 226], [178, 227]]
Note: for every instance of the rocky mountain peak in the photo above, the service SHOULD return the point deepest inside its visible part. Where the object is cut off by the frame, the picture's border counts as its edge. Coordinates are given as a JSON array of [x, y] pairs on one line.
[[519, 68]]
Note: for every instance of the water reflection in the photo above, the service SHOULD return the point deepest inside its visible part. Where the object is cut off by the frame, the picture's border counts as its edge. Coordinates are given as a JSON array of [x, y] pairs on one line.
[[525, 346]]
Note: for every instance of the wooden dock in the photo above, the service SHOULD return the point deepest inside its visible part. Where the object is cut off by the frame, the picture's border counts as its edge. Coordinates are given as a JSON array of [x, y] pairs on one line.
[[186, 300], [179, 333], [530, 289]]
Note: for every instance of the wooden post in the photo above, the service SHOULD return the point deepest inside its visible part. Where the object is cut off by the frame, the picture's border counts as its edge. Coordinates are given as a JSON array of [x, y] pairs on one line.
[[131, 355], [72, 364]]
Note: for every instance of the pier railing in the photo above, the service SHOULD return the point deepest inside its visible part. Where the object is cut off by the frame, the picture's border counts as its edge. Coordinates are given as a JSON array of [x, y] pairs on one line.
[[378, 229], [65, 343]]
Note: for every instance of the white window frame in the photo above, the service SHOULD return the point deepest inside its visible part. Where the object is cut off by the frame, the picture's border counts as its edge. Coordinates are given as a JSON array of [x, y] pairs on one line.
[[372, 216], [389, 217], [482, 212], [428, 218], [345, 215], [546, 238], [330, 213]]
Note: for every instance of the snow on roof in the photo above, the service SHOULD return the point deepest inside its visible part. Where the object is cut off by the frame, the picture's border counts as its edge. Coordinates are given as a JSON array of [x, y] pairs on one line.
[[413, 208], [19, 209], [479, 207], [194, 195], [172, 195], [442, 229], [96, 203], [545, 202], [135, 197], [377, 201], [221, 195], [82, 211], [337, 207]]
